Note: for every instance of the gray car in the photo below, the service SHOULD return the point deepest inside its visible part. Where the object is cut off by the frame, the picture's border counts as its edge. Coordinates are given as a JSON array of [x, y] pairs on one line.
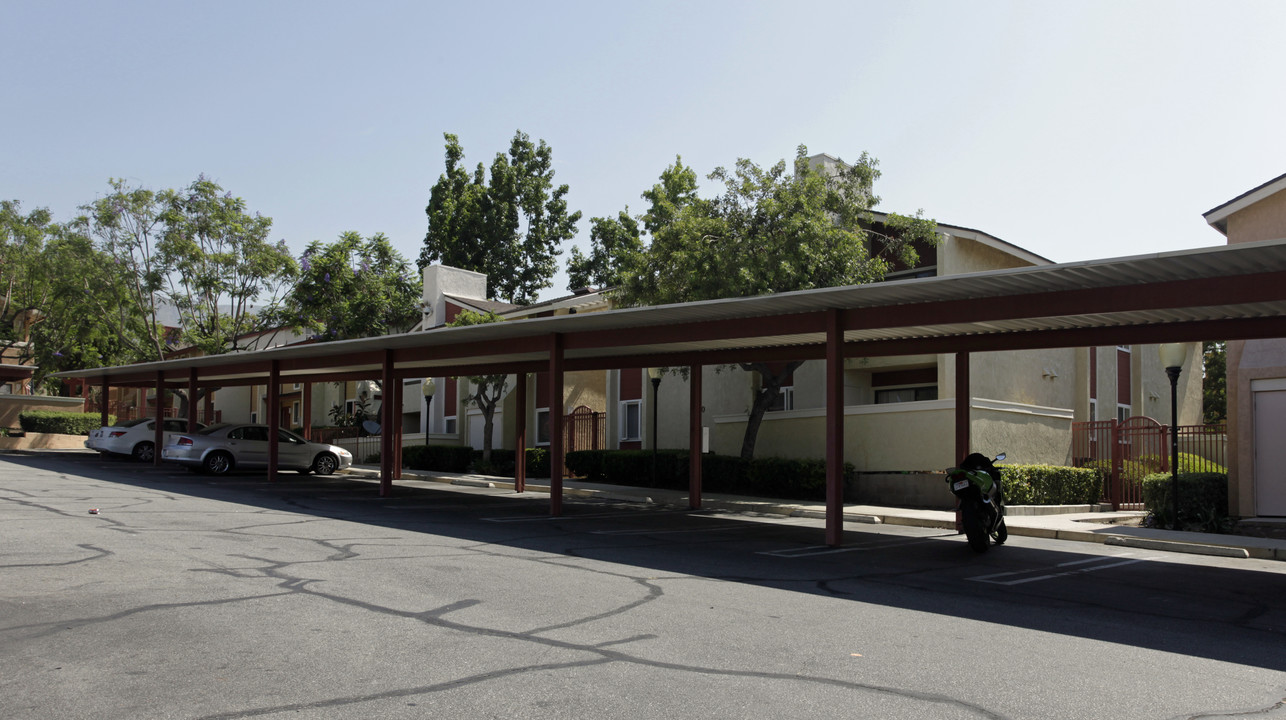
[[219, 449]]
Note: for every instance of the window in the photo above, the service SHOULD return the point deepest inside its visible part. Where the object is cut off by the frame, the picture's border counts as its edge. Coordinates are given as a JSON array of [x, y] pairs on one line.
[[542, 426], [294, 414], [254, 417], [449, 425], [632, 420], [1093, 409], [1122, 413], [298, 386], [785, 399], [906, 394]]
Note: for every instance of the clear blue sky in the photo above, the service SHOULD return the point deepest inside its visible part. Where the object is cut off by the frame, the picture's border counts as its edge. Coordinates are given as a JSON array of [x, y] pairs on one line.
[[1074, 129]]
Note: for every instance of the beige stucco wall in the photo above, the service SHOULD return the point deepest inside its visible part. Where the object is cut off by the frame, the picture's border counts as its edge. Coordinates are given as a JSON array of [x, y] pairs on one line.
[[13, 405], [1248, 360], [959, 255], [1265, 220], [908, 437]]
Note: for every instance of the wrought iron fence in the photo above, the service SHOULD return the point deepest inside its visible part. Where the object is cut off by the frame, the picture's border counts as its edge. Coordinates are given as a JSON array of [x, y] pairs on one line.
[[1126, 452]]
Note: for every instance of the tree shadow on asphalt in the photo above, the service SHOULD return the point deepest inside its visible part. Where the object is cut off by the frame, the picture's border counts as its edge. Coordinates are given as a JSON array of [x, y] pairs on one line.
[[1144, 599]]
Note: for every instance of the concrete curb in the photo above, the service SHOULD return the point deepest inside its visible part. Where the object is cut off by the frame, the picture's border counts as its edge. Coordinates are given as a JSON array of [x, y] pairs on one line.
[[911, 518]]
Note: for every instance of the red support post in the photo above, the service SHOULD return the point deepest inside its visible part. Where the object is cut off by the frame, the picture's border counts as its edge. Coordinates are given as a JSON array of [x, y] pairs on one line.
[[158, 436], [398, 393], [104, 406], [274, 417], [964, 399], [307, 425], [520, 439], [834, 428], [556, 424], [694, 437], [386, 427], [192, 390]]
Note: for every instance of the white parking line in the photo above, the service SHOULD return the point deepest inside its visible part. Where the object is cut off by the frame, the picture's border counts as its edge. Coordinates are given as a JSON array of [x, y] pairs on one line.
[[828, 550], [546, 518], [720, 528], [1127, 559]]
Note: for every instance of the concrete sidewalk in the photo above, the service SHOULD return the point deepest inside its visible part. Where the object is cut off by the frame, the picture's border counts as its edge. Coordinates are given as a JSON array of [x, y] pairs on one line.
[[1111, 528]]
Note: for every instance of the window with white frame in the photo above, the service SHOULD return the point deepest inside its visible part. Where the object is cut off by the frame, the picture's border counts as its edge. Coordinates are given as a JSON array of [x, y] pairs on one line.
[[785, 399], [294, 414], [1093, 409], [449, 426], [1122, 413], [542, 426], [631, 420], [906, 394], [254, 417]]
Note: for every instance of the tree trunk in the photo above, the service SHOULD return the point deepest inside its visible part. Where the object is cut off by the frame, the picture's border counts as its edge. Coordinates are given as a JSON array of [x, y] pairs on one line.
[[763, 399]]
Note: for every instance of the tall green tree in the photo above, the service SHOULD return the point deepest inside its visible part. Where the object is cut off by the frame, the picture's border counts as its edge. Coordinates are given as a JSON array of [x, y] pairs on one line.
[[54, 294], [508, 224], [769, 230], [1214, 382], [219, 262], [351, 288], [485, 391], [125, 225], [613, 243]]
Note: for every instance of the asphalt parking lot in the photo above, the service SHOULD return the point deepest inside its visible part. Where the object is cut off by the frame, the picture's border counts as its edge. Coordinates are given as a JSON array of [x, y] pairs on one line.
[[193, 597]]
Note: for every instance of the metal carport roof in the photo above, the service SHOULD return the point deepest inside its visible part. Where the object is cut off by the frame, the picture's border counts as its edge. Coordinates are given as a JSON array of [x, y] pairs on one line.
[[1225, 292]]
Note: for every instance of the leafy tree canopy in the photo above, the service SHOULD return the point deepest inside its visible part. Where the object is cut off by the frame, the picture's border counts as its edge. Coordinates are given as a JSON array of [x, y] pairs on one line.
[[351, 288], [508, 225], [769, 230], [614, 242]]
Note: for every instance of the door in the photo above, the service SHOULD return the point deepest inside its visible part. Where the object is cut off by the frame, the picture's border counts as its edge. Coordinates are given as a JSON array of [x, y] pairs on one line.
[[1270, 452]]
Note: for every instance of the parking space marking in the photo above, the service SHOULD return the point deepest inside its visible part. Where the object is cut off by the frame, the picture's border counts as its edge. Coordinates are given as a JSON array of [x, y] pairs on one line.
[[1097, 564], [645, 531], [591, 516], [828, 550]]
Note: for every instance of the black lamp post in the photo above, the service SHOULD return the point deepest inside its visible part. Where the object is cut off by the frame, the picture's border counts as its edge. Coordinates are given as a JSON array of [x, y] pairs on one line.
[[655, 375], [427, 387], [1173, 355]]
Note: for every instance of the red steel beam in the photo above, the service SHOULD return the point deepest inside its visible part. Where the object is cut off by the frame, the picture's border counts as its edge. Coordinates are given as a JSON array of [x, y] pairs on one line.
[[274, 417], [386, 427], [834, 428], [158, 436], [520, 439], [694, 437], [555, 424]]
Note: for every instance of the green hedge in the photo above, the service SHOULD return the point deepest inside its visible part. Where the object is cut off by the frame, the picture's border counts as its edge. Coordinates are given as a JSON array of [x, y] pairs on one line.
[[1203, 500], [1050, 485], [443, 458], [767, 477], [62, 423], [502, 462]]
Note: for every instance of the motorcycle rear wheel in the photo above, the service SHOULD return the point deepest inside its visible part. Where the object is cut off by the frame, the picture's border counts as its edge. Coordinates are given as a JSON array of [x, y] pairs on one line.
[[1002, 532], [975, 530]]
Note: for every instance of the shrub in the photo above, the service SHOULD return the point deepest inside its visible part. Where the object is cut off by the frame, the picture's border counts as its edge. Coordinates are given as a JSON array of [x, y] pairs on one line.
[[769, 477], [502, 462], [443, 458], [62, 423], [1050, 485], [1203, 501]]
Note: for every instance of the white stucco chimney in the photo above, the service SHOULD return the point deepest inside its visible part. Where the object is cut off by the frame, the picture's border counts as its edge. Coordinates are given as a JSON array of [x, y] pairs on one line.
[[443, 280]]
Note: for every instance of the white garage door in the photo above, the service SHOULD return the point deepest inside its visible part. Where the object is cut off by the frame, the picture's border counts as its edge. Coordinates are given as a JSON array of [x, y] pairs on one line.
[[1270, 452]]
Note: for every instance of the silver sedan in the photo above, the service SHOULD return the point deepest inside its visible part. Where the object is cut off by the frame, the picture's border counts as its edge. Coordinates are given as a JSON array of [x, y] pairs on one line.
[[219, 449]]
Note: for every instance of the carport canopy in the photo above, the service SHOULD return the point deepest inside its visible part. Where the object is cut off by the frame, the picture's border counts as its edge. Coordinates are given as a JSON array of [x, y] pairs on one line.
[[1227, 293]]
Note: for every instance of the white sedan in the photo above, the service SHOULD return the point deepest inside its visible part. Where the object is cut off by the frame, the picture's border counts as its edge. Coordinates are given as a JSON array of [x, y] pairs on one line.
[[135, 438], [219, 449]]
